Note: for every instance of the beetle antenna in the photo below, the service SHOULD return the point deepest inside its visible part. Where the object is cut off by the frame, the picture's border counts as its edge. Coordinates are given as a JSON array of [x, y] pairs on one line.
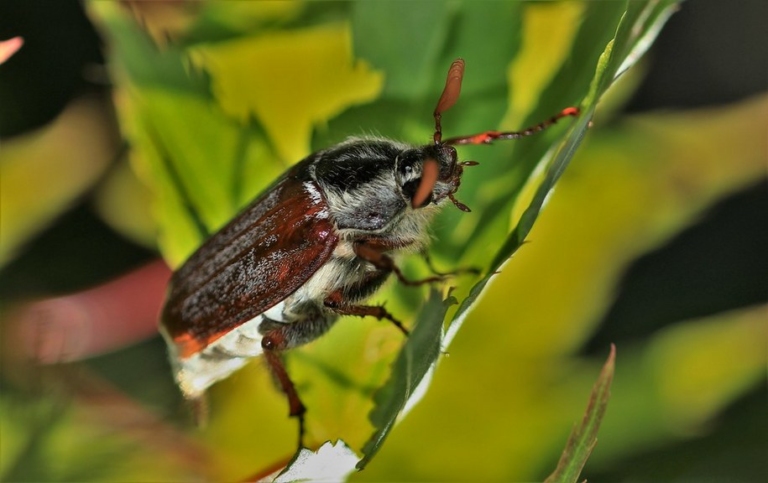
[[488, 137], [449, 96], [429, 173], [459, 204]]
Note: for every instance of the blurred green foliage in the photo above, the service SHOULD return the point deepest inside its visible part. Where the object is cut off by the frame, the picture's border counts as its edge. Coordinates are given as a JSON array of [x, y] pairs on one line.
[[217, 99]]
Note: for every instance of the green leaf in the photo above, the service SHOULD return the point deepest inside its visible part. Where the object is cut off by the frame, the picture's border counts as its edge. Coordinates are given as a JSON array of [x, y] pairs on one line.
[[632, 35], [197, 185], [516, 367], [583, 438], [681, 378], [408, 47], [55, 162], [302, 88], [417, 358]]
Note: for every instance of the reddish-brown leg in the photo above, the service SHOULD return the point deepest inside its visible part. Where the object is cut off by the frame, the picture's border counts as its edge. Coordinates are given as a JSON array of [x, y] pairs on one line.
[[199, 408], [365, 311], [373, 254], [458, 271], [272, 343]]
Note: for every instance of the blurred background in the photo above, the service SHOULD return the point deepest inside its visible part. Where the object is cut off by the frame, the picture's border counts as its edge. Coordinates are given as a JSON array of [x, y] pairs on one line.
[[55, 100]]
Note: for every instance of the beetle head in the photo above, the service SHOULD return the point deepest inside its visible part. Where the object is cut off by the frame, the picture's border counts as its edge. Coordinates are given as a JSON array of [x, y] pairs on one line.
[[433, 173], [429, 174]]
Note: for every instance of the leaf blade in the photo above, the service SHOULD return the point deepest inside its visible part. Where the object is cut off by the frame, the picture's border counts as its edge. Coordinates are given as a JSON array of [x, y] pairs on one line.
[[414, 362], [583, 438]]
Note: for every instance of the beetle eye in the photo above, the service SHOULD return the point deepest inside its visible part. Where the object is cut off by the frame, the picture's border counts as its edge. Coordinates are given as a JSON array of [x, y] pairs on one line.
[[406, 166], [410, 165]]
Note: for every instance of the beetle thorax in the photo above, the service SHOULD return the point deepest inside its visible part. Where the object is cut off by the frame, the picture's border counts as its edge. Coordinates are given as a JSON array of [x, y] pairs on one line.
[[368, 184]]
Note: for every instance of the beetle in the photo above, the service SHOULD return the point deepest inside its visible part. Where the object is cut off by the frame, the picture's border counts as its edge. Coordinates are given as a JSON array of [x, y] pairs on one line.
[[312, 247]]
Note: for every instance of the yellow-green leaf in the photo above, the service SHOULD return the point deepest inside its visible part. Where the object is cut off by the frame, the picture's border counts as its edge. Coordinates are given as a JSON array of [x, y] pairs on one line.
[[290, 81], [43, 172], [512, 366]]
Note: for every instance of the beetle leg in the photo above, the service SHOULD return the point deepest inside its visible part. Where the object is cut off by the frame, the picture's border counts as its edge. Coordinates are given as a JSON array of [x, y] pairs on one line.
[[382, 261], [377, 311], [458, 271], [199, 408], [272, 343]]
